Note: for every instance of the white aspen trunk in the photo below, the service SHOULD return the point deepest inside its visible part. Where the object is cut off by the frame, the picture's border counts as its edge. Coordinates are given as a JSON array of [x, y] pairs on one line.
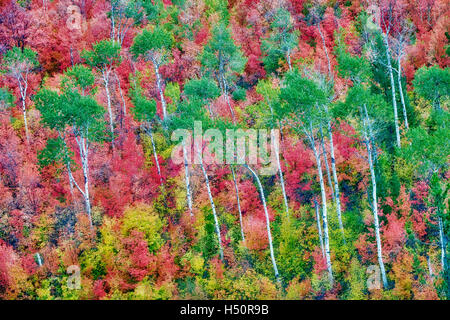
[[324, 207], [337, 196], [213, 207], [288, 56], [325, 159], [269, 234], [85, 166], [108, 98], [374, 198], [430, 270], [161, 93], [280, 172], [394, 100], [238, 204], [227, 98], [319, 227], [187, 181], [39, 260], [155, 155], [23, 94], [400, 89], [442, 243]]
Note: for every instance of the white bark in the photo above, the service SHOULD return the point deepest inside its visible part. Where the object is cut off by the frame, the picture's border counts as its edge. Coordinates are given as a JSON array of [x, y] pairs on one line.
[[400, 89], [84, 152], [187, 181], [159, 85], [325, 159], [238, 204], [269, 234], [367, 135], [319, 227], [280, 172], [155, 154], [442, 243], [211, 200], [394, 100], [23, 94], [337, 195], [324, 203]]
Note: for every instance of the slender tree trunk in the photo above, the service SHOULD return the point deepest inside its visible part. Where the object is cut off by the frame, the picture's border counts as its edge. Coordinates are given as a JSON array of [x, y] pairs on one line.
[[227, 98], [161, 93], [430, 270], [23, 94], [238, 203], [81, 141], [394, 100], [269, 234], [187, 181], [280, 173], [324, 205], [213, 207], [155, 154], [374, 197], [337, 196], [325, 159], [288, 56], [108, 98], [442, 243], [319, 227], [400, 89]]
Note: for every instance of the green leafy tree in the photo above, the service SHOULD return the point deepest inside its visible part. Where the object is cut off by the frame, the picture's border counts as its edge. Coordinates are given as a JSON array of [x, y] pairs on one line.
[[72, 113], [104, 57], [282, 41], [144, 111], [7, 99], [303, 101], [154, 44], [223, 59], [433, 83], [19, 64], [123, 16]]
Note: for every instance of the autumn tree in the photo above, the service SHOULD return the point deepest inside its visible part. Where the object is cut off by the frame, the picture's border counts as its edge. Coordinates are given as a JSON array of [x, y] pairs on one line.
[[223, 59], [104, 57], [304, 99], [73, 113], [145, 111], [19, 64], [281, 43], [370, 111], [154, 44]]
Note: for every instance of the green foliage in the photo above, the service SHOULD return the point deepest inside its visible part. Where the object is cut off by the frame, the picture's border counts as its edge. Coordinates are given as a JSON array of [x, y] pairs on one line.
[[432, 83], [7, 99], [144, 108], [303, 98], [79, 77], [281, 42], [221, 54], [155, 39], [104, 55], [143, 218], [17, 60], [204, 89]]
